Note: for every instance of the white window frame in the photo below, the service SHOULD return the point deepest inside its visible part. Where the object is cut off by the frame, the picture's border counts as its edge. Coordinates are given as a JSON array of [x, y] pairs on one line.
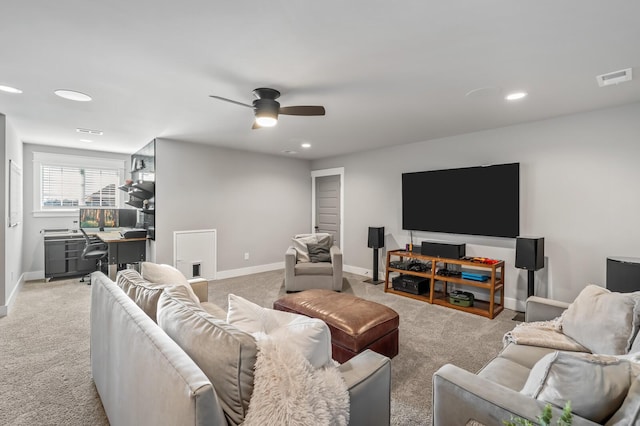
[[50, 159]]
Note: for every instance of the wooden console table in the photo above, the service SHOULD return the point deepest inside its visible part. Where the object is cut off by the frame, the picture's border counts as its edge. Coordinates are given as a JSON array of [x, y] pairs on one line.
[[495, 283]]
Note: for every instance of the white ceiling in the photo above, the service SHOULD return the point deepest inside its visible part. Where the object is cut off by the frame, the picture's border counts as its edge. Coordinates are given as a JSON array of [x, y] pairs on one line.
[[387, 72]]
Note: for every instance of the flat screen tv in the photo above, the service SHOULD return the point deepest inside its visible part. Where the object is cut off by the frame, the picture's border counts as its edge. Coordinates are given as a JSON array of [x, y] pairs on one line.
[[482, 200]]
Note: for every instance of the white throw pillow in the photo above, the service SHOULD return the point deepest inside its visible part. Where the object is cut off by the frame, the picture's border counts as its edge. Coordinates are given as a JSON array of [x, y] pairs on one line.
[[300, 245], [596, 385], [310, 336], [166, 274], [614, 327]]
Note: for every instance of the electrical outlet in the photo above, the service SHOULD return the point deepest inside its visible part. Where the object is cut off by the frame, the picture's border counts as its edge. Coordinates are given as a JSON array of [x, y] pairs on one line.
[[246, 256]]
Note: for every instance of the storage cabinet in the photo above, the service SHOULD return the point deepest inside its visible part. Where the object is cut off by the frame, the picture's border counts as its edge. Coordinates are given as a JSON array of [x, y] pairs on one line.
[[440, 286], [63, 256]]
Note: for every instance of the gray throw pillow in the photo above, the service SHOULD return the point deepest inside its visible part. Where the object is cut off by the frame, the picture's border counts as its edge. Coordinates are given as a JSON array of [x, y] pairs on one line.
[[318, 253]]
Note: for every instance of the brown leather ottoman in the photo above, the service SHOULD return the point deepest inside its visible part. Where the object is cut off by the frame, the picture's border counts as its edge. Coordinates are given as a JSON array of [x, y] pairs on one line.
[[356, 324]]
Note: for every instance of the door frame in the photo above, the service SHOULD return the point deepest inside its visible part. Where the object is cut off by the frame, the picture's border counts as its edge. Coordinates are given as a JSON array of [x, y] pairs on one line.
[[337, 171]]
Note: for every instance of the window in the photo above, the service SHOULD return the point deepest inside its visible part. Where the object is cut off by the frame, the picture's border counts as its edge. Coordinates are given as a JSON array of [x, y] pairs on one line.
[[65, 182]]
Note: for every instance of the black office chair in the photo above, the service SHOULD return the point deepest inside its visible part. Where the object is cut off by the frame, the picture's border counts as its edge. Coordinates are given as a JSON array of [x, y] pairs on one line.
[[93, 249]]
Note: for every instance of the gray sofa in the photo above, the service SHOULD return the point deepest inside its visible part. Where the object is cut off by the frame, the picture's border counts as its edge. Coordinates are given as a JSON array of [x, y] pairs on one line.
[[144, 377], [498, 391]]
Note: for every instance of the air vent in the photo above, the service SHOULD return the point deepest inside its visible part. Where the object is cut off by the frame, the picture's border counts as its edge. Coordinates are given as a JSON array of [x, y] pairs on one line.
[[89, 131], [615, 77]]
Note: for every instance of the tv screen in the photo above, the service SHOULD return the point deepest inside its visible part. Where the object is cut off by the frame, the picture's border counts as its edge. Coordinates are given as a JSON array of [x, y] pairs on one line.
[[481, 200]]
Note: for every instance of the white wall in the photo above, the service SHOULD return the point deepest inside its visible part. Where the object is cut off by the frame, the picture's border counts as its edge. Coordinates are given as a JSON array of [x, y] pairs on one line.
[[33, 241], [256, 202], [579, 177], [11, 250]]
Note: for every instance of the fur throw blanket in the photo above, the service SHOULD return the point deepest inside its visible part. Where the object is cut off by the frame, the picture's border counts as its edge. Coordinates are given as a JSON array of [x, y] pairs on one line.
[[287, 390], [547, 334]]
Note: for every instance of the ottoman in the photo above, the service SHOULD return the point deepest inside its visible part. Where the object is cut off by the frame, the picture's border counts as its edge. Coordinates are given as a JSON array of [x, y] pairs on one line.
[[356, 324]]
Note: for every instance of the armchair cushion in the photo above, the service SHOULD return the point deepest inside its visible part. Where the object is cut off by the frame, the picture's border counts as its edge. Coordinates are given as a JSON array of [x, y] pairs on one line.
[[596, 385], [310, 268], [611, 331], [318, 253], [629, 412], [309, 336], [300, 245], [300, 242]]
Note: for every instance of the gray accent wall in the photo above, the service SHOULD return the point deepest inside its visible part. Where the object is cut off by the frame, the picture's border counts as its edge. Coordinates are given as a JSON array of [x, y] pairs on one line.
[[256, 202], [11, 237], [579, 177]]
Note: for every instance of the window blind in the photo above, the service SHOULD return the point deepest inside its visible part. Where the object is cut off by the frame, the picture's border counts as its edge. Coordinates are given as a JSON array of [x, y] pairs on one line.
[[68, 186]]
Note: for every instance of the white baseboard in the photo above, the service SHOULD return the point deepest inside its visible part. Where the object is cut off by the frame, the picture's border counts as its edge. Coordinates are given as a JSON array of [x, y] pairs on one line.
[[34, 275], [231, 273], [4, 309], [362, 271]]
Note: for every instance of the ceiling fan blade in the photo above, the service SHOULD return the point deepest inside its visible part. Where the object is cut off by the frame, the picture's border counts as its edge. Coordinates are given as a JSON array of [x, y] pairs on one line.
[[230, 100], [302, 110]]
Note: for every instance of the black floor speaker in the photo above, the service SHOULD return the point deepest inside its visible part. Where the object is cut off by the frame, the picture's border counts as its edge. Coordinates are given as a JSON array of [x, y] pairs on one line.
[[623, 274]]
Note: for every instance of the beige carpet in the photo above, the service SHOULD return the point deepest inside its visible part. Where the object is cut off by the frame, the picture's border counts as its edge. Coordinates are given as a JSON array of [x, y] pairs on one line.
[[44, 348]]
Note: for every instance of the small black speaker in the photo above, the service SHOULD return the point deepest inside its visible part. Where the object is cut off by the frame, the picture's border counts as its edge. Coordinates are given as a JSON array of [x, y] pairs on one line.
[[443, 249], [530, 253], [376, 237], [623, 274]]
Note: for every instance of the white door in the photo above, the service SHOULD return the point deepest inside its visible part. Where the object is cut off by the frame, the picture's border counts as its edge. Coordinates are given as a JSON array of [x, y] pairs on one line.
[[327, 217]]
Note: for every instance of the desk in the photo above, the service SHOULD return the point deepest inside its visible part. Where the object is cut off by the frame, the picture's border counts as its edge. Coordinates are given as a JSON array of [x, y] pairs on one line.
[[122, 250]]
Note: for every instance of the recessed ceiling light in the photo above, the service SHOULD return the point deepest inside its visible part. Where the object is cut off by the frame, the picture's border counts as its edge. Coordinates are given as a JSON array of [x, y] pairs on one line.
[[90, 132], [72, 95], [86, 140], [515, 96], [10, 89], [305, 145]]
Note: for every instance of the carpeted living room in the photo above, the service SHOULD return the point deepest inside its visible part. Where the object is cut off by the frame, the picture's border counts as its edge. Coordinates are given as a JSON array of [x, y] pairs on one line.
[[53, 355], [346, 213]]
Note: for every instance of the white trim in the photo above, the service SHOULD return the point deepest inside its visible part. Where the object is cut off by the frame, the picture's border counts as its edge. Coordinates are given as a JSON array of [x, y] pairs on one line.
[[232, 273], [328, 172]]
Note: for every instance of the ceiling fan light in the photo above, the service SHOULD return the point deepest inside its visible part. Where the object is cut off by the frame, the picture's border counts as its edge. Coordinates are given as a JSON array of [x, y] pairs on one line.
[[266, 120]]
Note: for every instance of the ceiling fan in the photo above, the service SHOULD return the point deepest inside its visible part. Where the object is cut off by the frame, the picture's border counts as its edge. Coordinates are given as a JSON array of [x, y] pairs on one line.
[[267, 109]]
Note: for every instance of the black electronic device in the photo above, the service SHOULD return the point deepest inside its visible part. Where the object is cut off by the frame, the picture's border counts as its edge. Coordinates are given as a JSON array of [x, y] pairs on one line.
[[530, 256], [417, 266], [410, 284], [133, 233], [623, 274], [128, 218], [376, 237], [375, 241], [397, 264], [443, 249], [530, 253], [107, 217], [471, 209]]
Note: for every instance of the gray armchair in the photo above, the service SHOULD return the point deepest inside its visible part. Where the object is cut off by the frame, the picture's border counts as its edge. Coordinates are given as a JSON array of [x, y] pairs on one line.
[[303, 275]]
